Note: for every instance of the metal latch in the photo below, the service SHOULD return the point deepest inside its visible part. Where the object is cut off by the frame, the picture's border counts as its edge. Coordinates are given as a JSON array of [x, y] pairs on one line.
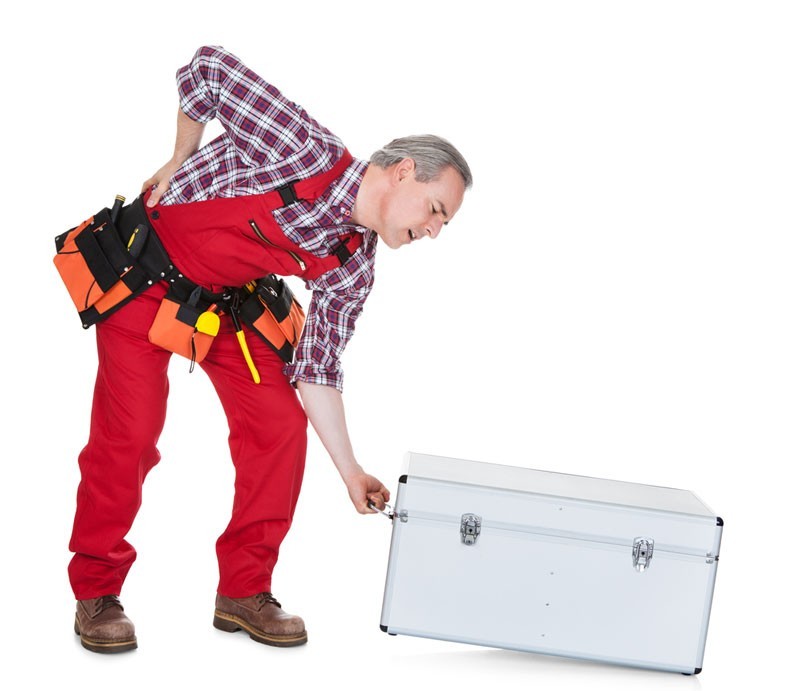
[[470, 528], [642, 553]]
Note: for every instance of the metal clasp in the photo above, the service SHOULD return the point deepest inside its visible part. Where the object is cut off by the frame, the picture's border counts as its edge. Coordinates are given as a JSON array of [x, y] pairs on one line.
[[470, 528], [642, 553]]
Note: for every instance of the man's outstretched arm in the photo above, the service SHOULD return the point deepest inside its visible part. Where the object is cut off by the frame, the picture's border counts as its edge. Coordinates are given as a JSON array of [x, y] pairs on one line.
[[325, 409]]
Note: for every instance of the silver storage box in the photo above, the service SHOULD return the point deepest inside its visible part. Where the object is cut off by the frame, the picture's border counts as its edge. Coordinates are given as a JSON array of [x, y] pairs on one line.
[[558, 564]]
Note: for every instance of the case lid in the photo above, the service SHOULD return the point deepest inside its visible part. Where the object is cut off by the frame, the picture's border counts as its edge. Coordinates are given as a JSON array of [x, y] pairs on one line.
[[553, 484]]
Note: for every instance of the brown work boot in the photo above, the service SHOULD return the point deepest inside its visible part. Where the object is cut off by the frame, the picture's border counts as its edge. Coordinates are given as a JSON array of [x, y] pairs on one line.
[[262, 617], [103, 627]]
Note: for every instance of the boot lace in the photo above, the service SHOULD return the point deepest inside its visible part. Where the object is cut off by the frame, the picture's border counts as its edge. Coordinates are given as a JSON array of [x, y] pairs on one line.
[[264, 598], [105, 602]]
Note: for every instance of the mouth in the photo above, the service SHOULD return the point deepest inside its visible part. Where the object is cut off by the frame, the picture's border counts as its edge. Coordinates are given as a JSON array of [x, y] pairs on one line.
[[411, 236]]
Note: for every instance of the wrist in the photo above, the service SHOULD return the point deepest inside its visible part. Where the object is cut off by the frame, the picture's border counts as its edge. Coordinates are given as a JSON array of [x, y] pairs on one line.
[[179, 158], [349, 470]]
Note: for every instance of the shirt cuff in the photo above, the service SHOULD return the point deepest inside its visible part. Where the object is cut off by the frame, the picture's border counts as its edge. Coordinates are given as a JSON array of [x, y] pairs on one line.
[[194, 99], [307, 372]]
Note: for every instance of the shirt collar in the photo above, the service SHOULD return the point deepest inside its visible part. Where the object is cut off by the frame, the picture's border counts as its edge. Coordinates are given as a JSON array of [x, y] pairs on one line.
[[342, 192]]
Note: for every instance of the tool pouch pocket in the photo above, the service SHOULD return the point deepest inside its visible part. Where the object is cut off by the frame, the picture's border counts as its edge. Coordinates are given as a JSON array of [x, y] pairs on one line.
[[185, 326], [275, 315], [104, 268]]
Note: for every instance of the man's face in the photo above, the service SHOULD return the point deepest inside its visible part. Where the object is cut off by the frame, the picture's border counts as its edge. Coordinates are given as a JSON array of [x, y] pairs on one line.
[[412, 210]]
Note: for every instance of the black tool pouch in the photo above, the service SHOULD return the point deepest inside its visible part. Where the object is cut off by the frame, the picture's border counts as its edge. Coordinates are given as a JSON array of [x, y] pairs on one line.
[[104, 264], [275, 315]]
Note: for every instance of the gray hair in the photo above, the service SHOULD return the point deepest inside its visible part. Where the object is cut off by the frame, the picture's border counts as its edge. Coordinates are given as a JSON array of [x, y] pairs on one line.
[[431, 156]]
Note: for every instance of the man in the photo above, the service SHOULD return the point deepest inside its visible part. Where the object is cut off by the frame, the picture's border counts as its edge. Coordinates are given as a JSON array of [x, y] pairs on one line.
[[207, 206]]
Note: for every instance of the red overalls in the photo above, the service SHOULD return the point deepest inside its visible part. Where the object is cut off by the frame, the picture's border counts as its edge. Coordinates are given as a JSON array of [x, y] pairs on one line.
[[223, 242]]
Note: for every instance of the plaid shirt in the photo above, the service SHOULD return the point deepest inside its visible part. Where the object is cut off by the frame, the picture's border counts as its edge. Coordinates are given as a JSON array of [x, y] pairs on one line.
[[269, 141]]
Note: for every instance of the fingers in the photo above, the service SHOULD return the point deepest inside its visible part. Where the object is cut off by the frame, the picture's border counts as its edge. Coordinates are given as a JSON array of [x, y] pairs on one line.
[[148, 184], [157, 193], [365, 490], [160, 179], [378, 500]]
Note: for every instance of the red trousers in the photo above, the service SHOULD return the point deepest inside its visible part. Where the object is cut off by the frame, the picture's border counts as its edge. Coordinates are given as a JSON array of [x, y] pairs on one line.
[[267, 443]]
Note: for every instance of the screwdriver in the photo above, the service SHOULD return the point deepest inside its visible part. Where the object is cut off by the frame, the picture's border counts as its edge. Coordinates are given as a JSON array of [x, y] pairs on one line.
[[119, 200], [242, 343]]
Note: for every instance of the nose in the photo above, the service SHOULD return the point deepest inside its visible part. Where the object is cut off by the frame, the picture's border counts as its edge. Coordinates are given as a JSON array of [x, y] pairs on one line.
[[434, 227]]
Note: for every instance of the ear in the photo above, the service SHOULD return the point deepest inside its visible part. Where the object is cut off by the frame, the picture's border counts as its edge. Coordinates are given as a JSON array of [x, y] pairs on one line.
[[404, 169]]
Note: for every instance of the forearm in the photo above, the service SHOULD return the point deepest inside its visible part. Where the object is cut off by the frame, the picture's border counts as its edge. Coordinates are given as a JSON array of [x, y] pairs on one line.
[[325, 410], [188, 137]]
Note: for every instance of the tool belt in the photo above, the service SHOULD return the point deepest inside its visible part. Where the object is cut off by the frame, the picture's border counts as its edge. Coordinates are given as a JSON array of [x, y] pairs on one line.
[[188, 317], [271, 310], [109, 259], [115, 255]]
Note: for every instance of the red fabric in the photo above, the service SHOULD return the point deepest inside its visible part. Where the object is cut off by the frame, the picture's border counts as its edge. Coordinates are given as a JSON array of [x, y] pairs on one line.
[[267, 442], [267, 422], [214, 244]]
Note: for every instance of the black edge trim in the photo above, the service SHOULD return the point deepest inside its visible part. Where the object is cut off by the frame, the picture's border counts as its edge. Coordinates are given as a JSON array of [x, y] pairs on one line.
[[403, 479], [285, 352], [719, 521], [385, 629], [698, 670]]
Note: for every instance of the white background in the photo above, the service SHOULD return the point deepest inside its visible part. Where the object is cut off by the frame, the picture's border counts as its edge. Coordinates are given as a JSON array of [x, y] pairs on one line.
[[616, 298]]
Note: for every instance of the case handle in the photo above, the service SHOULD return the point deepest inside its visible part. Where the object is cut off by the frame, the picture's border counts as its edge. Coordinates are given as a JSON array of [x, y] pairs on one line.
[[390, 514]]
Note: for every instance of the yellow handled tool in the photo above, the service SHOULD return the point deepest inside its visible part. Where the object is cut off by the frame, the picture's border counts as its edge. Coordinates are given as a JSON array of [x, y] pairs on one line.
[[242, 343], [133, 236], [247, 358]]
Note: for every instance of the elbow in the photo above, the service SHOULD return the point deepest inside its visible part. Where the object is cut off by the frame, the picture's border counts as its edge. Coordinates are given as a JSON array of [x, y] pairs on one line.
[[207, 51]]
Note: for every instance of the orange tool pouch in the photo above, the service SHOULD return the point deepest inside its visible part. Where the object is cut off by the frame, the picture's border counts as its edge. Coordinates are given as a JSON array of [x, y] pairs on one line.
[[275, 315], [186, 324], [105, 264]]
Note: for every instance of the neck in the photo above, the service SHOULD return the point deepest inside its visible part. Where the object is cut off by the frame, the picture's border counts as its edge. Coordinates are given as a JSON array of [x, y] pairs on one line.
[[365, 209]]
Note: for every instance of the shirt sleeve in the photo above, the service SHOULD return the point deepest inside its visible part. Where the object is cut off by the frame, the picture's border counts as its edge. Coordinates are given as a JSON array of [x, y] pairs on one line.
[[261, 123], [337, 301]]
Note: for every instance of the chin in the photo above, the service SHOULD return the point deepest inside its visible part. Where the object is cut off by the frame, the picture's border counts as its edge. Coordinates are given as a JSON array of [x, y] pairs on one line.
[[391, 242]]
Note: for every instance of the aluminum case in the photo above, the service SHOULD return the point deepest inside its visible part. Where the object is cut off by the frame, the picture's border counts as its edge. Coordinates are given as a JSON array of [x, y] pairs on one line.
[[545, 562]]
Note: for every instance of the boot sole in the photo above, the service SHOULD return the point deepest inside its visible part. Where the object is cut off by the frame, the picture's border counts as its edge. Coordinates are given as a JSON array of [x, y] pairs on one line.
[[231, 623], [102, 646]]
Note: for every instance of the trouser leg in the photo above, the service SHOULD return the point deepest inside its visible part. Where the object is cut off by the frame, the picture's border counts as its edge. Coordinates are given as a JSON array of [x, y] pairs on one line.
[[268, 446], [128, 413]]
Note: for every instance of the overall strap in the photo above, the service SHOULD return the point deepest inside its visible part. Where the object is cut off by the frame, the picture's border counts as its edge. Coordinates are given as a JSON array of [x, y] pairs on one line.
[[307, 189]]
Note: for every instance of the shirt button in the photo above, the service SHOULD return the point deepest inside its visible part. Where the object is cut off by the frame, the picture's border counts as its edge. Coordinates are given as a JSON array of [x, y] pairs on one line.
[[345, 211]]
